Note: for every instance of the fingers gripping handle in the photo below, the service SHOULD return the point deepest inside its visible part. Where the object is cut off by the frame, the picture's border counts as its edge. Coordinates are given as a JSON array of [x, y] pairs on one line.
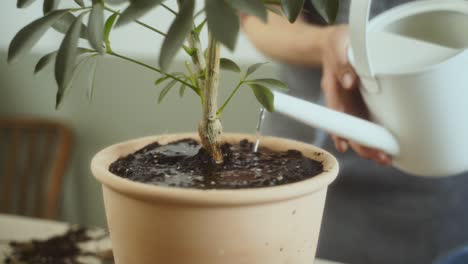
[[358, 21]]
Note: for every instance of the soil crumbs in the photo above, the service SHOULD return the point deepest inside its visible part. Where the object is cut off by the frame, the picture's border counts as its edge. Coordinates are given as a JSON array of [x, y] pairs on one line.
[[60, 249]]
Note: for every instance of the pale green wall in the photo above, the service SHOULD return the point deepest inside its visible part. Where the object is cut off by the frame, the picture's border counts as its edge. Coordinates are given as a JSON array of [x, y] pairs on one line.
[[124, 107]]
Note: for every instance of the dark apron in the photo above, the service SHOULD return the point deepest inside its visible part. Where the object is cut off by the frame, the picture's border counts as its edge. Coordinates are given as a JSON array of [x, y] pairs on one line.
[[374, 214]]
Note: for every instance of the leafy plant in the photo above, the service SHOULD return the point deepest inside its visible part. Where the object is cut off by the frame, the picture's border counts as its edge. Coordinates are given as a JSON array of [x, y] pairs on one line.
[[203, 70]]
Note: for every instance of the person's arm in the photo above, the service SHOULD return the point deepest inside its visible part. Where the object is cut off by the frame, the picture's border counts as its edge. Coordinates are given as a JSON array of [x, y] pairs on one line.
[[313, 45], [298, 43]]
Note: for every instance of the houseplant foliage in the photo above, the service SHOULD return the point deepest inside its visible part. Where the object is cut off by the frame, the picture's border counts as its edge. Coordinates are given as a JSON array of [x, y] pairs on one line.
[[94, 21]]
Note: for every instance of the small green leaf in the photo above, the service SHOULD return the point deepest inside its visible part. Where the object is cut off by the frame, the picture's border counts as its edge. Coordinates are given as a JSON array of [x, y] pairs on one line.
[[49, 5], [264, 96], [166, 90], [251, 7], [202, 75], [161, 80], [135, 10], [189, 51], [223, 22], [182, 90], [92, 80], [24, 3], [271, 83], [328, 9], [177, 33], [199, 28], [66, 57], [254, 67], [292, 8], [227, 64], [96, 27], [44, 61], [28, 36], [108, 27], [63, 24], [80, 3]]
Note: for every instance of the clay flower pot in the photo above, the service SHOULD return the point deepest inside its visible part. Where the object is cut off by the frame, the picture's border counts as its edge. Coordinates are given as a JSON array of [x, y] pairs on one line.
[[151, 224]]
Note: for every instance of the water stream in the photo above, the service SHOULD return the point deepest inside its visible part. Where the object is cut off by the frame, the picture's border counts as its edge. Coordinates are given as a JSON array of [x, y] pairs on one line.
[[258, 131]]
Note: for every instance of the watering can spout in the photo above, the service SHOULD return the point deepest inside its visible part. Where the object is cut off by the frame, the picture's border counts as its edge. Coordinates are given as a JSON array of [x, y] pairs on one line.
[[337, 123]]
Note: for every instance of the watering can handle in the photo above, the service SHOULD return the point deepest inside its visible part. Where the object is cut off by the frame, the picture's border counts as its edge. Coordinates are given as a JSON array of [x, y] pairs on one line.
[[358, 22], [337, 123]]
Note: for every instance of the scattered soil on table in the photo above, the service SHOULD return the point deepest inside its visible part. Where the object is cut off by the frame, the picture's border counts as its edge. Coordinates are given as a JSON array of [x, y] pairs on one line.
[[61, 249], [185, 164]]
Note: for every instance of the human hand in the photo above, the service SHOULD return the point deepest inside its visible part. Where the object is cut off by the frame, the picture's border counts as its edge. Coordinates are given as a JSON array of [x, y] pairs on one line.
[[340, 87]]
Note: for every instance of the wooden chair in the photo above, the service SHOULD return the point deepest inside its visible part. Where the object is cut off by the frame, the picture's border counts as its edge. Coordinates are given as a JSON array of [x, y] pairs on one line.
[[33, 157]]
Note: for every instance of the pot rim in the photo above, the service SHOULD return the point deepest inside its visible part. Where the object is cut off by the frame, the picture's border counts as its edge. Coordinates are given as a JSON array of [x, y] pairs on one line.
[[101, 161]]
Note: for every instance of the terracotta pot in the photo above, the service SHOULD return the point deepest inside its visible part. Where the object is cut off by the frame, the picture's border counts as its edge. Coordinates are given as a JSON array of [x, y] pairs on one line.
[[160, 225]]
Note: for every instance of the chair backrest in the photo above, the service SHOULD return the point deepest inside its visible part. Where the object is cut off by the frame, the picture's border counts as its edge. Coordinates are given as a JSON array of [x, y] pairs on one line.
[[33, 157]]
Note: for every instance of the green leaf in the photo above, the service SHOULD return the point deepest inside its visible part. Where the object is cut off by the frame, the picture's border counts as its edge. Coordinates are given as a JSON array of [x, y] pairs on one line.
[[328, 9], [166, 90], [182, 90], [165, 77], [108, 26], [254, 67], [80, 3], [189, 51], [66, 57], [199, 28], [292, 8], [161, 80], [96, 27], [24, 3], [275, 10], [63, 24], [49, 5], [251, 7], [135, 10], [48, 58], [92, 80], [270, 83], [28, 36], [264, 96], [44, 61], [223, 22], [177, 33], [227, 64]]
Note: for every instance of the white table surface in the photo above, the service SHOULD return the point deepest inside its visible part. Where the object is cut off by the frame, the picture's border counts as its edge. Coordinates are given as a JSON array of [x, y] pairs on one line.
[[23, 228]]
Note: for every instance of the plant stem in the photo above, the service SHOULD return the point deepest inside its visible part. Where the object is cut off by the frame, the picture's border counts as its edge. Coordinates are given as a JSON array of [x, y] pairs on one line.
[[79, 8], [169, 9], [210, 128], [139, 22], [221, 109], [198, 58], [156, 70], [199, 13]]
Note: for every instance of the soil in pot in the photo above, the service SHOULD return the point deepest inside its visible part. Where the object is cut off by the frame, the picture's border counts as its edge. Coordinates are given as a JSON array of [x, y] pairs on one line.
[[185, 164]]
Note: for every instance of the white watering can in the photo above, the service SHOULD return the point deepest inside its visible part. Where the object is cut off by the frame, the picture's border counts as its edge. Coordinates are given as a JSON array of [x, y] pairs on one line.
[[413, 65]]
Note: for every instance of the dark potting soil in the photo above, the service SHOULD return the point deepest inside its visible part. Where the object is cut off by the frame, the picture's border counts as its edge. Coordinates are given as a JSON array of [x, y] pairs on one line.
[[60, 249], [185, 164]]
